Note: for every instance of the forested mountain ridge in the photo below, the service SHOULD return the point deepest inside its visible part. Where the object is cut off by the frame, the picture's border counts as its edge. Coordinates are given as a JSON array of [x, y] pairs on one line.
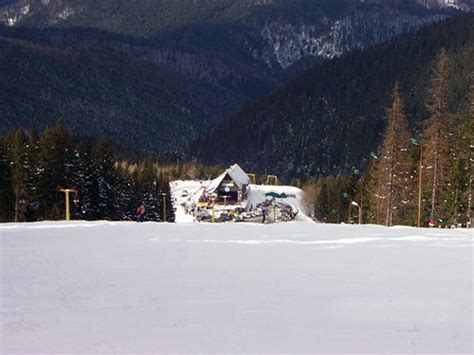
[[276, 34], [100, 91], [329, 119], [161, 73]]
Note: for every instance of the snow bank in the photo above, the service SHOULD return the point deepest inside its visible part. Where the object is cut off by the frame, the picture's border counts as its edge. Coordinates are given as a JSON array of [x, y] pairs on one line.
[[296, 287]]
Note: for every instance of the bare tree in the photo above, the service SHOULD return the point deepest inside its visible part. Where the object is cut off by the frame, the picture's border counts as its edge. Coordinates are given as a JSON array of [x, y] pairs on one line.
[[394, 165], [438, 128]]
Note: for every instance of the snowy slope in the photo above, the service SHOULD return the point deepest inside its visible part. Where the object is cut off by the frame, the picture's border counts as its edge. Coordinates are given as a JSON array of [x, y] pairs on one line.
[[295, 287]]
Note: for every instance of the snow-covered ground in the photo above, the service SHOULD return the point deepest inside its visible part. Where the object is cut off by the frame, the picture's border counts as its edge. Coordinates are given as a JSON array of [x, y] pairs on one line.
[[103, 287]]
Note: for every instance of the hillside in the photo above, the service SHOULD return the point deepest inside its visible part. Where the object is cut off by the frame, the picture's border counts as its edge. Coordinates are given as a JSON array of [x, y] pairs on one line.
[[275, 34], [102, 90], [329, 119], [155, 75]]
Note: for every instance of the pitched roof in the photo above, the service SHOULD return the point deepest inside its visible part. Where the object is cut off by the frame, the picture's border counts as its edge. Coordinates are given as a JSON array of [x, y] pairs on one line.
[[237, 175]]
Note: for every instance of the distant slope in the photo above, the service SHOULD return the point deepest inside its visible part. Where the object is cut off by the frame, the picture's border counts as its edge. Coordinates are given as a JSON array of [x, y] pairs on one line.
[[276, 34], [101, 91], [169, 70], [330, 118]]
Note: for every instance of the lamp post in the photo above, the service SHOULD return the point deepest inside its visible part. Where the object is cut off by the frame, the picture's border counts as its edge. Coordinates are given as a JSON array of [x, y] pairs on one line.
[[164, 206], [416, 142], [213, 200], [353, 203]]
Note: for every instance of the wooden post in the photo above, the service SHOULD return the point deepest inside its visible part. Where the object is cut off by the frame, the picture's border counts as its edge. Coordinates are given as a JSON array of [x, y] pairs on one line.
[[68, 205]]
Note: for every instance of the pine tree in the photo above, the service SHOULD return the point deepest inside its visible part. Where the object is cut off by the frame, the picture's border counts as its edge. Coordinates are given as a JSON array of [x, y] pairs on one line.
[[438, 130], [394, 163], [53, 157], [83, 179], [16, 147], [7, 198], [169, 211], [149, 187], [371, 191], [105, 205], [466, 137], [33, 174]]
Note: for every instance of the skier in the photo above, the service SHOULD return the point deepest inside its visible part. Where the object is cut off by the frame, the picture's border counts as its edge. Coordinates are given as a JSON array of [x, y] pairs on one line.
[[264, 213], [141, 213]]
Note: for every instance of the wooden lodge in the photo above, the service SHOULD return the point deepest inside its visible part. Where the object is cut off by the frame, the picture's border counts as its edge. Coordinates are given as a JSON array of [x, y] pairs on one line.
[[230, 187]]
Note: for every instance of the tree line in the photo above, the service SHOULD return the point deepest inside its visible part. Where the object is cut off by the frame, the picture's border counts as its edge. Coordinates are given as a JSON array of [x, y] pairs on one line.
[[420, 175], [35, 166]]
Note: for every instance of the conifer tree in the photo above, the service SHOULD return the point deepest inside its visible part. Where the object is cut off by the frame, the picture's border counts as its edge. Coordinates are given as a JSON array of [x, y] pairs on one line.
[[438, 129], [371, 191], [105, 206], [394, 163], [467, 153], [83, 179], [169, 210], [149, 187], [33, 174], [16, 146], [53, 155], [6, 191]]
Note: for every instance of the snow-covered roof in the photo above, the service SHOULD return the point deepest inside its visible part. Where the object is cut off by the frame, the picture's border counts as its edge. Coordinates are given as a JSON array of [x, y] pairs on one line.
[[235, 172]]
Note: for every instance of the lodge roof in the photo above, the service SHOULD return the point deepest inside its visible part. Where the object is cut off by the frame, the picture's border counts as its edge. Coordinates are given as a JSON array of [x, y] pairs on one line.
[[237, 175]]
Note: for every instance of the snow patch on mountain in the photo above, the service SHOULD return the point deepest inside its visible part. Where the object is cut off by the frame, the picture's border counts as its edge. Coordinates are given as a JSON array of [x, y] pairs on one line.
[[287, 43]]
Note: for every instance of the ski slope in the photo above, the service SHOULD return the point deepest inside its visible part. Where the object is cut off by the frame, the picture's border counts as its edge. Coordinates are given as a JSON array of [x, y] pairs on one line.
[[84, 287]]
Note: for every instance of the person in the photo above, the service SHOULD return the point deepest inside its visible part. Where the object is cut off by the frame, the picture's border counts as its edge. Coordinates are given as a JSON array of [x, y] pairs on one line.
[[264, 213], [141, 213]]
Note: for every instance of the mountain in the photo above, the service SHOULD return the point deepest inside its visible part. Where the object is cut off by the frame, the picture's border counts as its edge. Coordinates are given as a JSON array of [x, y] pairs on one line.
[[276, 34], [157, 74], [99, 91], [329, 119]]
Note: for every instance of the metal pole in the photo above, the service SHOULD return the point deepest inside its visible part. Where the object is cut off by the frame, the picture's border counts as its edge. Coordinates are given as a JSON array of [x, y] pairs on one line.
[[420, 176], [361, 200], [350, 214], [17, 197], [164, 207]]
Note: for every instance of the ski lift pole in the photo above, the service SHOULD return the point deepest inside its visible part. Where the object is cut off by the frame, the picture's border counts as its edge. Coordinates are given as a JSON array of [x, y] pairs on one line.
[[68, 205], [253, 178], [273, 178]]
